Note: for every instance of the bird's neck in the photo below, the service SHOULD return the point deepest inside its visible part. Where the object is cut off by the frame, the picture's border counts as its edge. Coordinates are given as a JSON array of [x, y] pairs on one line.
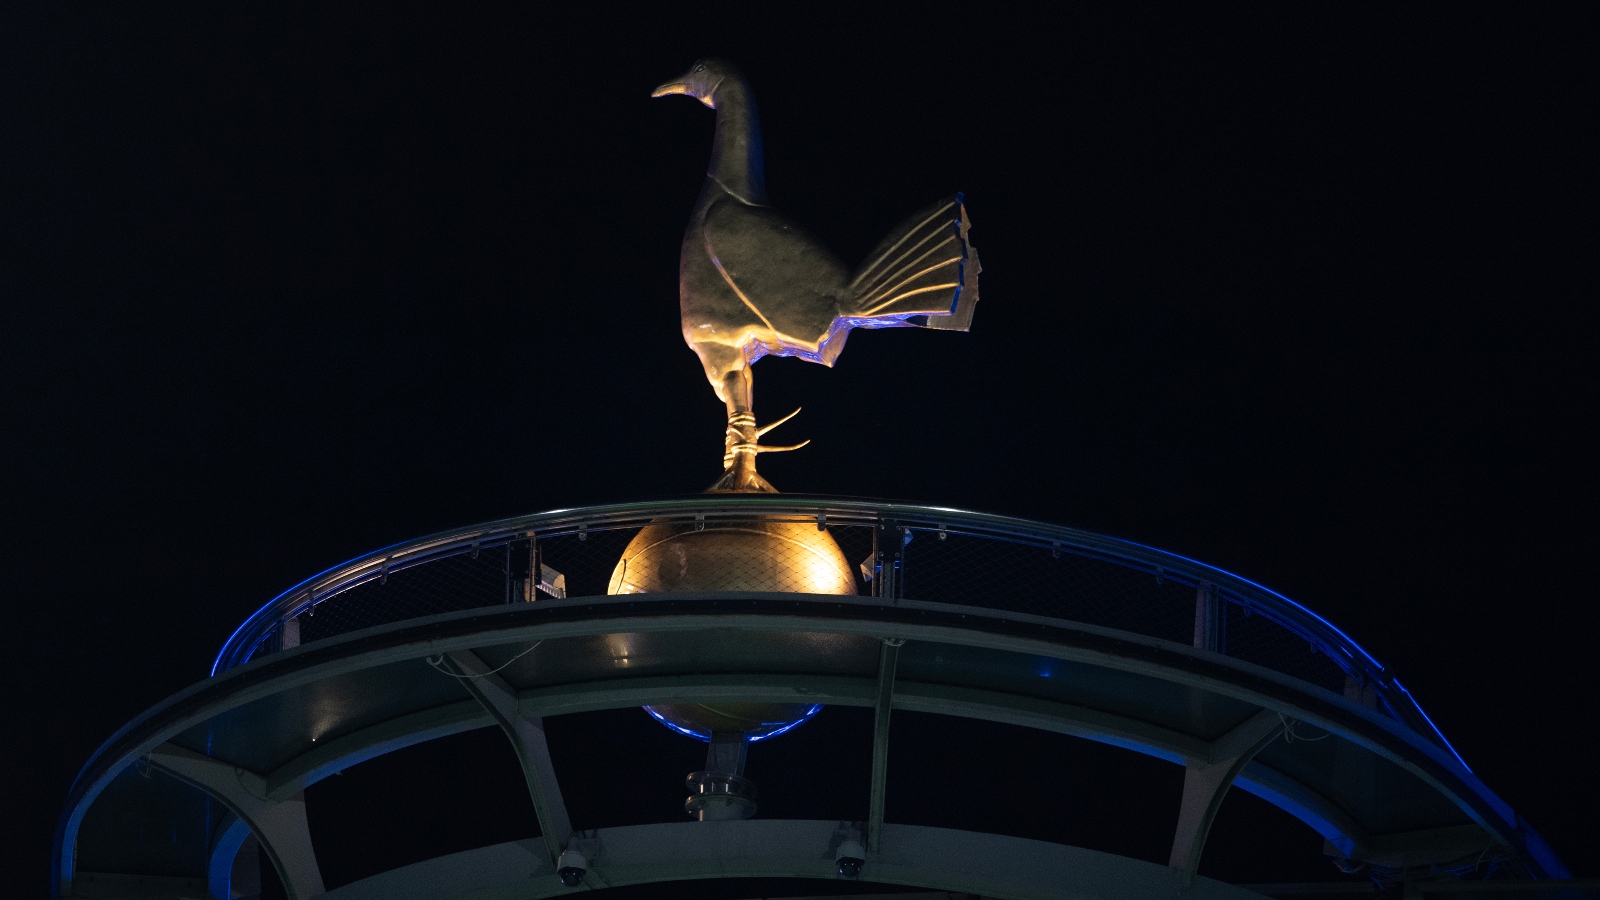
[[736, 152]]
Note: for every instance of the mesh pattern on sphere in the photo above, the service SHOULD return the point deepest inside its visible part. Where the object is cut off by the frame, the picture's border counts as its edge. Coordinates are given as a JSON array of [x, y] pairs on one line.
[[790, 557]]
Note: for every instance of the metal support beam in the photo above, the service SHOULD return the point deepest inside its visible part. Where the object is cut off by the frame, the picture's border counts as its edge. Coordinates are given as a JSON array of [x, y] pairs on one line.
[[280, 826], [332, 756], [727, 752], [1206, 782], [888, 658], [1048, 715], [1343, 834], [406, 643], [329, 757], [962, 862], [527, 738], [229, 837], [1431, 846]]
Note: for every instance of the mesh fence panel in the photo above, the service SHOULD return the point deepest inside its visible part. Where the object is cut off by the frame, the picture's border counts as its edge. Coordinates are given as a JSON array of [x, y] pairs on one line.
[[586, 558], [791, 553], [1257, 638], [1044, 581], [855, 542], [439, 586]]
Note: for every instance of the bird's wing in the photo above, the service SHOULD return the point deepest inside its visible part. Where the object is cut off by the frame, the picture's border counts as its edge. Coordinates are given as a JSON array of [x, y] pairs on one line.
[[782, 273], [924, 273]]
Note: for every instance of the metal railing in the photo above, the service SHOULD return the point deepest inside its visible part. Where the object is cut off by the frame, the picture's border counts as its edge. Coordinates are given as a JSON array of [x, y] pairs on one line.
[[920, 553]]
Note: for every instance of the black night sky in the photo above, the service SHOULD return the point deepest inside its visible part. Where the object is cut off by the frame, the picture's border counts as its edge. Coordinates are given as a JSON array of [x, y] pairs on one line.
[[1307, 295]]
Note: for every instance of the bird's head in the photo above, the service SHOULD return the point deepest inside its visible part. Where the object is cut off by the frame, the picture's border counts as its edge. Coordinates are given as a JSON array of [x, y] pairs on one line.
[[700, 82]]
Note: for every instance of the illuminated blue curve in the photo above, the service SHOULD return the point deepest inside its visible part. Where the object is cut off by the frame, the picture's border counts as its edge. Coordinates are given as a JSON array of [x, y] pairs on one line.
[[272, 604], [754, 736], [1348, 641], [1429, 719], [1263, 589]]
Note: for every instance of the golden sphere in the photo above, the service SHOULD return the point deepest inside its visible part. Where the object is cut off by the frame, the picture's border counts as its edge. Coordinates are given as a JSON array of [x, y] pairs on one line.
[[789, 557]]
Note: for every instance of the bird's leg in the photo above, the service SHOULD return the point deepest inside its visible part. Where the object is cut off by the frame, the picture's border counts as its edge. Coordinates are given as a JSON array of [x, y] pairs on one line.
[[740, 440], [741, 432]]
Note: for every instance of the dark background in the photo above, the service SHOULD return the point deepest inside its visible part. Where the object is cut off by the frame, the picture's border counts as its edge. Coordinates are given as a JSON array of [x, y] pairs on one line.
[[1303, 293]]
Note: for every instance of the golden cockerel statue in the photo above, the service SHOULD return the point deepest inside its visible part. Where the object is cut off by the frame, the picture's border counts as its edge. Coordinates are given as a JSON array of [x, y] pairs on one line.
[[752, 283]]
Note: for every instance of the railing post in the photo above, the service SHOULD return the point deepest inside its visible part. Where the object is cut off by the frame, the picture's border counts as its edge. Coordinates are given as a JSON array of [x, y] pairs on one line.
[[1209, 622], [889, 545]]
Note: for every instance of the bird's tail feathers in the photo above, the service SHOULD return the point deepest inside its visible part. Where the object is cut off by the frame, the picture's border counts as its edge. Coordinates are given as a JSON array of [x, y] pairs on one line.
[[924, 274]]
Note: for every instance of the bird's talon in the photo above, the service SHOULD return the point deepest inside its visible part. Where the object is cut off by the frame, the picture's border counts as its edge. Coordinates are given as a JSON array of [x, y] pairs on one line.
[[769, 427]]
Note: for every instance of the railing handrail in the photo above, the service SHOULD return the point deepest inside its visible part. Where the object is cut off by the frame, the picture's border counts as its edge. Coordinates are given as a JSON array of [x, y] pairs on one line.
[[1319, 632]]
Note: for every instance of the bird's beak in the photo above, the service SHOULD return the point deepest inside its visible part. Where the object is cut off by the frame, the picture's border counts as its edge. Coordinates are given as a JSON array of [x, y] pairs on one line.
[[671, 87]]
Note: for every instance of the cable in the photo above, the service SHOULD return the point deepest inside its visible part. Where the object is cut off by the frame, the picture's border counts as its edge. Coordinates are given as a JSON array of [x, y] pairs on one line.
[[1289, 735], [436, 662], [238, 775]]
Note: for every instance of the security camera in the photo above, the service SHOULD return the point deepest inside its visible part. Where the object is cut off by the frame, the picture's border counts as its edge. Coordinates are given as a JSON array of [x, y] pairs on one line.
[[572, 867], [850, 857]]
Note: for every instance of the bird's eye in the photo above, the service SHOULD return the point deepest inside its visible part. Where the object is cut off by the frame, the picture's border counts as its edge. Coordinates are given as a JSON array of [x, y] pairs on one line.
[[699, 68]]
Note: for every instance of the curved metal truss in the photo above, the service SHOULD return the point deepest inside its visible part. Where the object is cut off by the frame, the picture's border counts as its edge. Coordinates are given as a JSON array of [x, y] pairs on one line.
[[936, 554], [935, 858], [247, 742]]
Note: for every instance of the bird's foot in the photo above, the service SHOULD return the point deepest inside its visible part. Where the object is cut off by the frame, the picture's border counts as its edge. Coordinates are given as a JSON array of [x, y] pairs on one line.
[[741, 443], [737, 481]]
